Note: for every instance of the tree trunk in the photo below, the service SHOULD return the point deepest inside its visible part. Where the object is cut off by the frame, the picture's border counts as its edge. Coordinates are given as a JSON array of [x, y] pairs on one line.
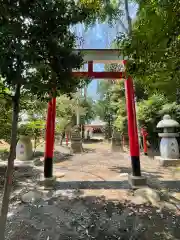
[[10, 166], [177, 95], [83, 131], [35, 143], [62, 137], [109, 128], [129, 21]]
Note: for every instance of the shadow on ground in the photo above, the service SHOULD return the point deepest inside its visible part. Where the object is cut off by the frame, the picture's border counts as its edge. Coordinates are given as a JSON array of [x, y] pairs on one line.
[[154, 179], [89, 150], [61, 218], [92, 185], [58, 156], [92, 141], [61, 157], [173, 186], [38, 154], [23, 177], [153, 152], [128, 170]]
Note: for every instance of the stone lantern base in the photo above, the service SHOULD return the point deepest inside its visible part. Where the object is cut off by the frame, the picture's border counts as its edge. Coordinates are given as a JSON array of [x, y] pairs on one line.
[[167, 162]]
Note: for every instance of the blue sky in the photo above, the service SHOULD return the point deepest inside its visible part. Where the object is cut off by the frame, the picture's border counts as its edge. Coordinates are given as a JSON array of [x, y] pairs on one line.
[[100, 36]]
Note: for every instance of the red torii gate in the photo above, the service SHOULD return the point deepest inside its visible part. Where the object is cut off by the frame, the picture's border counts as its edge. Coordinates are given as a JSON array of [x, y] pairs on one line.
[[98, 56]]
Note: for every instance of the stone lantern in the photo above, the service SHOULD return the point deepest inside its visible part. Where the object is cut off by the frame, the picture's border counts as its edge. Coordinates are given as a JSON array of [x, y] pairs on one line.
[[169, 149], [116, 141], [76, 140]]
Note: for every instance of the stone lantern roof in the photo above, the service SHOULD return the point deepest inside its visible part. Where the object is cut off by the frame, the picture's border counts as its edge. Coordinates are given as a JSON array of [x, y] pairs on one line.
[[167, 122]]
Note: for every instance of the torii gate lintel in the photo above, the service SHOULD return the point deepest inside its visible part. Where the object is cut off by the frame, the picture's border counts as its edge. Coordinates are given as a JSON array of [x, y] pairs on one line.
[[106, 56]]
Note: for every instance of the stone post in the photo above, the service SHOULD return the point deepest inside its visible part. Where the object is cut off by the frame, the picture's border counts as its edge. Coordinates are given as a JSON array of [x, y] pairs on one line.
[[24, 150], [116, 141]]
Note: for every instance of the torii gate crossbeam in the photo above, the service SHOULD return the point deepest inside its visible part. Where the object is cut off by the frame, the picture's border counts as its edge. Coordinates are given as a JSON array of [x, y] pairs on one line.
[[91, 56]]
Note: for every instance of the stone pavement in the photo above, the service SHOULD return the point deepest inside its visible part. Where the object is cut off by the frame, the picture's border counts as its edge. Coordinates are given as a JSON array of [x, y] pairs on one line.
[[101, 172]]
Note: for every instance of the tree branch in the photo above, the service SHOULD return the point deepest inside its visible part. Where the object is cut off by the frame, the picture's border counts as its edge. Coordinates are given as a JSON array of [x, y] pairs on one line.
[[129, 21], [123, 26], [6, 95]]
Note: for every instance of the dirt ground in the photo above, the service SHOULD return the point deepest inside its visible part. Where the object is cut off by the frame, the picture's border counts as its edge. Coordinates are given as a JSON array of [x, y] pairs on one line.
[[93, 200], [3, 145]]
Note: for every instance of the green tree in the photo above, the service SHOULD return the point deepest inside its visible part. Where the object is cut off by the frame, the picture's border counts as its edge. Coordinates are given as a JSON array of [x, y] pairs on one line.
[[32, 118], [103, 108], [153, 59], [32, 107], [149, 113], [103, 10], [154, 54], [6, 111], [118, 104], [67, 111], [33, 128], [87, 103], [35, 58]]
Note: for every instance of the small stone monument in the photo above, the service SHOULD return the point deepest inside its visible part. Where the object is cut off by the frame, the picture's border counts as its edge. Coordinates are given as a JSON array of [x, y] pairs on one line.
[[169, 149], [116, 143], [24, 150], [24, 157], [76, 140]]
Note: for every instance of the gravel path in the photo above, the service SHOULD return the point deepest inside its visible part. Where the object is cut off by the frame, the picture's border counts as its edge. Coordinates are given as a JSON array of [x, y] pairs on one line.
[[92, 201], [65, 215]]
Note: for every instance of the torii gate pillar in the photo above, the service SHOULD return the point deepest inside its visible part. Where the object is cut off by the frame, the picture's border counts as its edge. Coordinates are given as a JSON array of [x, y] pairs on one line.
[[50, 133], [135, 180]]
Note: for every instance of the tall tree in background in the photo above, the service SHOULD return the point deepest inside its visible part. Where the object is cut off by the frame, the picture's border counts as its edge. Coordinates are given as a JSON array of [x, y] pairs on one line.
[[67, 109], [154, 54], [102, 108], [36, 57], [103, 10], [6, 111], [154, 59], [32, 117]]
